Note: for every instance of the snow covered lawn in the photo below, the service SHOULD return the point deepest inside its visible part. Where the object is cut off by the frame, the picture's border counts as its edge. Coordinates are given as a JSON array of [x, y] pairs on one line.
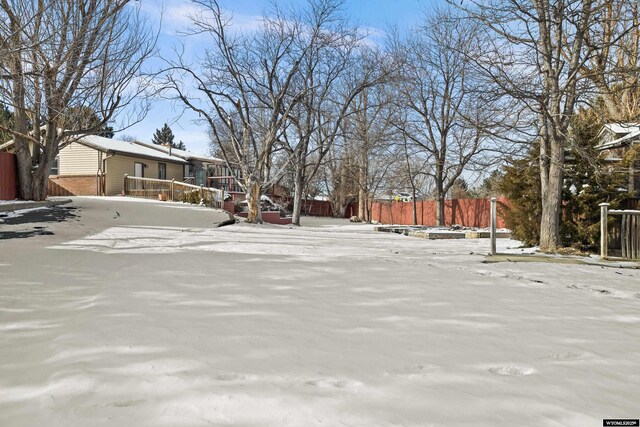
[[338, 325]]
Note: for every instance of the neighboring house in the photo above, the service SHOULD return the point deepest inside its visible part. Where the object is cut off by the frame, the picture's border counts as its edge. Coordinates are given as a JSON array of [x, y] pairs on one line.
[[195, 171], [615, 140], [207, 171], [93, 165]]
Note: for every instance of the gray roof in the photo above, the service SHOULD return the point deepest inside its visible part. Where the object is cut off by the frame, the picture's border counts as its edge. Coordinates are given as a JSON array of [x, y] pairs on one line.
[[187, 155], [125, 147]]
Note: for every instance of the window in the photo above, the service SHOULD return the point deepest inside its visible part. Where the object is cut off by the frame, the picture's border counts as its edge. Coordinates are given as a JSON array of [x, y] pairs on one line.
[[55, 168], [162, 171]]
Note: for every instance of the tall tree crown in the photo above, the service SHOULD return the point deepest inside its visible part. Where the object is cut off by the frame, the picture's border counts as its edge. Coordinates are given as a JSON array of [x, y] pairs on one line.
[[165, 136]]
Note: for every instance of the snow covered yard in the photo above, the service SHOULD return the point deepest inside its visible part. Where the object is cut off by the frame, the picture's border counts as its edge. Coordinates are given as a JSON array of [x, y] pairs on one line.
[[118, 323]]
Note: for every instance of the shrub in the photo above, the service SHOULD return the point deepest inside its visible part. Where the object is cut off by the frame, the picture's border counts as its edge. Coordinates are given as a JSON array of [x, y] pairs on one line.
[[194, 198], [588, 181], [520, 183]]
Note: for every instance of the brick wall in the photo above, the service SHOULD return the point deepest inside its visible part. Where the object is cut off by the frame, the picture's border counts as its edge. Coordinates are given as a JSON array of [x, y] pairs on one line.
[[8, 177], [72, 185], [270, 217]]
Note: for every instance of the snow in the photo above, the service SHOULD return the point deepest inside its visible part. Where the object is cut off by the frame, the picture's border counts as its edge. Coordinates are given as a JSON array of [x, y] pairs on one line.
[[623, 128], [123, 324], [187, 155], [156, 202], [108, 144]]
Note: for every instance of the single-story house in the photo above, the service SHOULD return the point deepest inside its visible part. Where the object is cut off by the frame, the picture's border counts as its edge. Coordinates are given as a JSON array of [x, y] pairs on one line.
[[615, 140], [208, 171], [94, 165], [195, 171]]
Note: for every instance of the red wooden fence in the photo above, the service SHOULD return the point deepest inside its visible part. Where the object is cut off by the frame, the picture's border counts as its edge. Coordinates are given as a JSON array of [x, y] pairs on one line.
[[8, 177], [324, 208], [466, 212]]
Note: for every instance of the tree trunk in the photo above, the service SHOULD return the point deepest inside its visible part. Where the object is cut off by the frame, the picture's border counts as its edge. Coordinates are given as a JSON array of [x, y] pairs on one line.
[[25, 178], [32, 183], [253, 202], [362, 187], [440, 220], [297, 194], [342, 208], [368, 209], [32, 186], [440, 194], [552, 179], [362, 205], [415, 204]]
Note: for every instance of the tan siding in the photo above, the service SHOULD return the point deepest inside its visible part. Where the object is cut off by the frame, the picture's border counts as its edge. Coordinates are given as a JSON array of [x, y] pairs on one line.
[[175, 171], [77, 159], [119, 165]]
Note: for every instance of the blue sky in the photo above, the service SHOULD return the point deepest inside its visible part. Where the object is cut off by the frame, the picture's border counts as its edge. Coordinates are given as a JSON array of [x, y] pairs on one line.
[[375, 15]]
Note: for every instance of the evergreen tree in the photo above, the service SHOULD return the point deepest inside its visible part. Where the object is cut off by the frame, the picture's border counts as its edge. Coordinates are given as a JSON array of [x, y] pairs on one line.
[[520, 184], [588, 181], [6, 124], [165, 136]]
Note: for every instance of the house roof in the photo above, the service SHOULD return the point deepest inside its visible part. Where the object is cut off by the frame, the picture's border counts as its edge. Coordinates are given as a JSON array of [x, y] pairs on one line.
[[183, 154], [619, 128], [118, 146], [628, 138], [126, 147]]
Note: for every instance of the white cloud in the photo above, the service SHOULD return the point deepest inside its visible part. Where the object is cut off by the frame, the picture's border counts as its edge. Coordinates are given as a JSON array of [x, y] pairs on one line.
[[176, 16]]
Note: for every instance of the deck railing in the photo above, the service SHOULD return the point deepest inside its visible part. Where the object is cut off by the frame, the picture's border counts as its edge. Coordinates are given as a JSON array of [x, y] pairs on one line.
[[622, 238], [164, 189], [226, 183]]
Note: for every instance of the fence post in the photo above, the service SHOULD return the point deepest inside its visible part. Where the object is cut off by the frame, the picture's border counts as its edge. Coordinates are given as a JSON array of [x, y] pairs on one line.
[[604, 240], [202, 193], [493, 226], [125, 186], [173, 182]]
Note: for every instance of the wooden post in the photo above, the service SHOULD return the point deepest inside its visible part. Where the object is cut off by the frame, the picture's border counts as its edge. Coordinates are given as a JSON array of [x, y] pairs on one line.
[[624, 235], [604, 241], [493, 226], [202, 194], [633, 235], [125, 188], [173, 182]]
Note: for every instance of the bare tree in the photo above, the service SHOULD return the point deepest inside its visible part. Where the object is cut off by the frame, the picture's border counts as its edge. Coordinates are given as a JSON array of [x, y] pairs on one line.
[[537, 52], [413, 172], [614, 64], [61, 55], [339, 175], [338, 67], [244, 89], [371, 135], [362, 162], [442, 108]]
